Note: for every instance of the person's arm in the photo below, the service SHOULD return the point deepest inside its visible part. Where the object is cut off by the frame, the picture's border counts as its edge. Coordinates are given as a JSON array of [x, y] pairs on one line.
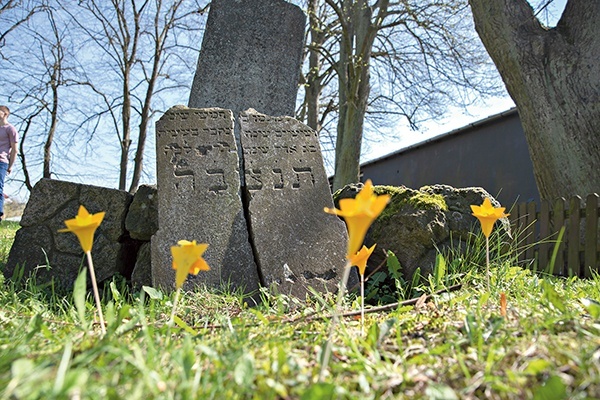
[[12, 157]]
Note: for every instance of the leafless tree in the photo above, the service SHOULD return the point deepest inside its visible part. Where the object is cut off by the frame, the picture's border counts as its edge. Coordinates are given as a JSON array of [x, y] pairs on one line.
[[14, 13], [138, 40], [34, 78], [391, 60]]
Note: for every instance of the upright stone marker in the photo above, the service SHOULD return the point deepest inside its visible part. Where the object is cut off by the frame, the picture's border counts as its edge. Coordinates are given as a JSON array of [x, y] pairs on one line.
[[199, 198], [251, 57], [296, 243]]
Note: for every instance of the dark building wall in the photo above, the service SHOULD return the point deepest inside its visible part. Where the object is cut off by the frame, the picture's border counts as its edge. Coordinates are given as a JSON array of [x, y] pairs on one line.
[[491, 153]]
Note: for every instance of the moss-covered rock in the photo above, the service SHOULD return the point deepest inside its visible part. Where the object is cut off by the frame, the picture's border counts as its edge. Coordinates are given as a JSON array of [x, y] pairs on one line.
[[418, 223]]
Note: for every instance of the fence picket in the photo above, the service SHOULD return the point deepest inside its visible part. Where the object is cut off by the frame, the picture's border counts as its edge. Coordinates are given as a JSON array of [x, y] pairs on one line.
[[531, 238], [558, 221], [591, 235], [545, 246], [574, 232], [522, 225]]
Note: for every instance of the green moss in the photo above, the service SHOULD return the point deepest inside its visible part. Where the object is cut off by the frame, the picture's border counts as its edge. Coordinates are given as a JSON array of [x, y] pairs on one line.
[[403, 196]]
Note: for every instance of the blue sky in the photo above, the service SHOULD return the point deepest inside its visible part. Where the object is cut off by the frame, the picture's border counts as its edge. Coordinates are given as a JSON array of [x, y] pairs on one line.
[[455, 118]]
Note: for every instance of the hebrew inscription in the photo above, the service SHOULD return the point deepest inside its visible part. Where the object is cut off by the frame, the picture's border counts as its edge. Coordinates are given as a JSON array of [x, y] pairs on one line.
[[199, 199], [286, 190]]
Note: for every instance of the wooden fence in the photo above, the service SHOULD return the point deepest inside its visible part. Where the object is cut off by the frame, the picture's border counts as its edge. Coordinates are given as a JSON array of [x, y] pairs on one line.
[[537, 230]]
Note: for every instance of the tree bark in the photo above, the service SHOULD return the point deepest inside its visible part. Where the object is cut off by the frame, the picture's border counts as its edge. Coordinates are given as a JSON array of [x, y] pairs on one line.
[[313, 78], [126, 140], [47, 172], [358, 34], [553, 76]]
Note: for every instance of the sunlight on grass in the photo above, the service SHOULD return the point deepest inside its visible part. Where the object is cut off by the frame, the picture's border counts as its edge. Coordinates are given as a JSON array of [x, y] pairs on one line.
[[448, 345]]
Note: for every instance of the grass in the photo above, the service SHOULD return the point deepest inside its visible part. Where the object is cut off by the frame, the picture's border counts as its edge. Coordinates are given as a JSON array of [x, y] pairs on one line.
[[450, 345]]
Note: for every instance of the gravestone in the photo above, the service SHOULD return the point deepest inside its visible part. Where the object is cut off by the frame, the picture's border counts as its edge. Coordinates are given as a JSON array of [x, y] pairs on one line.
[[38, 242], [251, 56], [198, 185], [296, 244]]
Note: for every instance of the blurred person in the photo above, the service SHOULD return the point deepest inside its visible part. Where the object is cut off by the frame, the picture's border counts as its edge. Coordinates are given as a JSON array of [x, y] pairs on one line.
[[9, 138]]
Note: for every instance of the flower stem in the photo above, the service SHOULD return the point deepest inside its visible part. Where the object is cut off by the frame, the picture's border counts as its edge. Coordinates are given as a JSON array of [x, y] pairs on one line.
[[334, 321], [487, 261], [95, 289], [362, 303], [172, 319]]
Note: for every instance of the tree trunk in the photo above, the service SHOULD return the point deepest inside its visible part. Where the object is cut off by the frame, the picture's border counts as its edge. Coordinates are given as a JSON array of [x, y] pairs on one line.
[[126, 140], [313, 80], [553, 76], [145, 119], [359, 32], [47, 173], [21, 155]]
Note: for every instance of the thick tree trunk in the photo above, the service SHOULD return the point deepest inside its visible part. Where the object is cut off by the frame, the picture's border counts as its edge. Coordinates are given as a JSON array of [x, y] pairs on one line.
[[553, 76], [348, 145]]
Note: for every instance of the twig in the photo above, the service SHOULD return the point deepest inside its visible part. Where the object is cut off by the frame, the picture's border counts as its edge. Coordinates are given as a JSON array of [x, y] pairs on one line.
[[387, 307], [304, 318]]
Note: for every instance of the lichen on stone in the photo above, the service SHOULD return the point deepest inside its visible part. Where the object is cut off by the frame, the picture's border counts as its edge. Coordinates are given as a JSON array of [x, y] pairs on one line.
[[402, 196]]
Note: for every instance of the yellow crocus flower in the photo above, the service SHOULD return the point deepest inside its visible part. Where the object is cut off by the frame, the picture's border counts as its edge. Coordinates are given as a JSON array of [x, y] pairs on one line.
[[487, 214], [84, 226], [360, 258], [359, 213], [187, 259]]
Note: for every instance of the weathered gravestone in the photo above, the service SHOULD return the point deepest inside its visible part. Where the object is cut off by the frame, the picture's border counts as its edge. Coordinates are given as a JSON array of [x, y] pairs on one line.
[[199, 199], [251, 57], [296, 244], [38, 242]]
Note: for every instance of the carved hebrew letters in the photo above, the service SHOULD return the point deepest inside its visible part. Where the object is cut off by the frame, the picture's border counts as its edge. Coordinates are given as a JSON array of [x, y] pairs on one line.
[[287, 189], [188, 142], [218, 183], [198, 198]]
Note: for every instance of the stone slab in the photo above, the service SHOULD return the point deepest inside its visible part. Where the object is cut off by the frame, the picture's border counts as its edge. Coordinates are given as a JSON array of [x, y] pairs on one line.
[[38, 242], [142, 219], [198, 185], [251, 57], [142, 271], [297, 244]]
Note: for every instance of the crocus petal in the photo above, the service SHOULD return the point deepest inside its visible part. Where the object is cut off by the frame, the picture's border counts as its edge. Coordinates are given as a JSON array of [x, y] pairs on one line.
[[379, 204], [487, 225], [333, 211], [181, 274], [86, 237], [357, 229], [84, 226], [360, 258], [199, 265], [187, 259]]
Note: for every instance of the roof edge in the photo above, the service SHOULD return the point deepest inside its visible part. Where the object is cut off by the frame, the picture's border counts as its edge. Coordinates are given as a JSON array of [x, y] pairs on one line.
[[484, 121]]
